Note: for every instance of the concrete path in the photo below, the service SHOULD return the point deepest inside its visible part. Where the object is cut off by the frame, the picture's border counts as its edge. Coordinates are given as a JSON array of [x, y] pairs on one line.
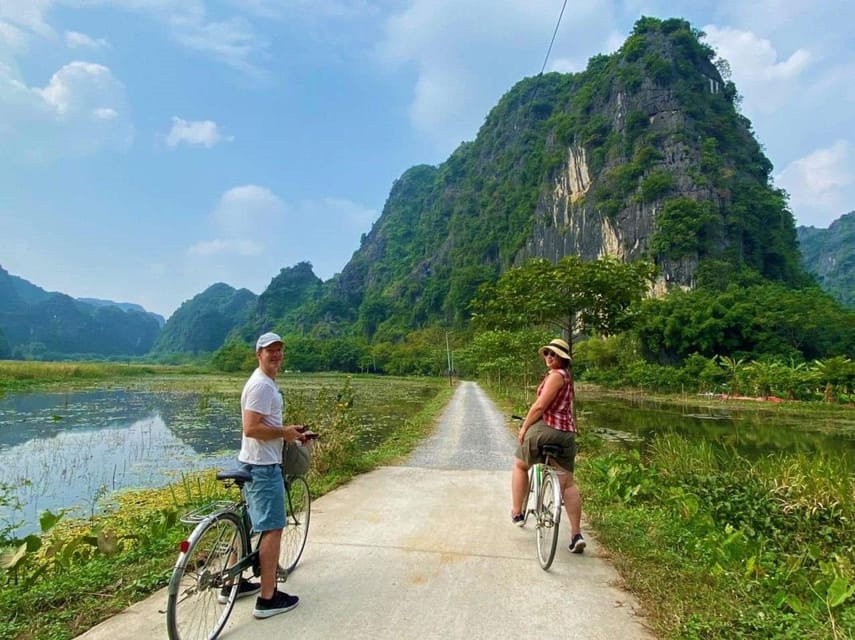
[[426, 550]]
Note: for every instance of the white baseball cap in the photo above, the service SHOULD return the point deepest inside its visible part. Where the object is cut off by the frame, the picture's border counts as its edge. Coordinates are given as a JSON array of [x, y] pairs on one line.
[[266, 339]]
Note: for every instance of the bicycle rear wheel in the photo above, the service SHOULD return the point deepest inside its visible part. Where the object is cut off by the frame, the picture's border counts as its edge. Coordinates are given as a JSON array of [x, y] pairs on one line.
[[548, 518], [193, 611], [298, 507]]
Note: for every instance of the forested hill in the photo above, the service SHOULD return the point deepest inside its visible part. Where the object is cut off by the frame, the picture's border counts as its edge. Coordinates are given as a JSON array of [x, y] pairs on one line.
[[642, 155], [829, 254], [201, 324], [39, 324]]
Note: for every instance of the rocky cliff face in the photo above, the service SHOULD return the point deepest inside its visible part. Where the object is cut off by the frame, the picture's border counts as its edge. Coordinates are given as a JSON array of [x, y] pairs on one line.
[[571, 219]]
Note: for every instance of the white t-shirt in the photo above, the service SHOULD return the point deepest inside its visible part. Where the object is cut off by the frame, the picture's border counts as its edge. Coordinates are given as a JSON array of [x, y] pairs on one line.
[[260, 394]]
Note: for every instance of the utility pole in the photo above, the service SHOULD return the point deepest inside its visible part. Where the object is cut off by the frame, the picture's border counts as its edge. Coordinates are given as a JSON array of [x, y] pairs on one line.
[[448, 356]]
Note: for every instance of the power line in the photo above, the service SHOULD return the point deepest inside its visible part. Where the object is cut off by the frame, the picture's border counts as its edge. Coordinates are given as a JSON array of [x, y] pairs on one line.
[[551, 42], [554, 33]]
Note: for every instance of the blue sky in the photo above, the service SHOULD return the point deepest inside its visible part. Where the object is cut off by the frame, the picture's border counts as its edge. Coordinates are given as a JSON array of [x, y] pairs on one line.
[[150, 148]]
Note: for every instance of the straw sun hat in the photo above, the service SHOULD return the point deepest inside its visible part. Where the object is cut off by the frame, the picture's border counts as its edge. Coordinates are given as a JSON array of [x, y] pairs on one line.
[[557, 346]]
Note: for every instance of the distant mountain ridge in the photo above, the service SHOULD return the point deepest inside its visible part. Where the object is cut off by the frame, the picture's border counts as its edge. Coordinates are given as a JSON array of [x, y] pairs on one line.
[[39, 324], [829, 254], [124, 306]]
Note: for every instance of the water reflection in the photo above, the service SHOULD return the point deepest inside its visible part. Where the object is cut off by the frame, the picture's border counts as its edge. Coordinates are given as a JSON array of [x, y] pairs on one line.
[[750, 433], [59, 450]]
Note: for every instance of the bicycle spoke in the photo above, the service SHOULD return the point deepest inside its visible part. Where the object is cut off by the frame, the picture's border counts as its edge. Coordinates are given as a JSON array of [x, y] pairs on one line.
[[298, 504], [194, 611]]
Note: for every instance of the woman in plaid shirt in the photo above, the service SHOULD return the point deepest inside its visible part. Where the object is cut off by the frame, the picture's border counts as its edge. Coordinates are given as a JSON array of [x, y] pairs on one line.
[[550, 420]]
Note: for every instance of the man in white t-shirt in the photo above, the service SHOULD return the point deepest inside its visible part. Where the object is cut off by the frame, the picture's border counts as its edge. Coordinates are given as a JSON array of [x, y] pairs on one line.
[[261, 455]]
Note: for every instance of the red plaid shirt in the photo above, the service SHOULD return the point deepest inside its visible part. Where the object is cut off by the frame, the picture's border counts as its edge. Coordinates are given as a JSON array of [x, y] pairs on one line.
[[559, 414]]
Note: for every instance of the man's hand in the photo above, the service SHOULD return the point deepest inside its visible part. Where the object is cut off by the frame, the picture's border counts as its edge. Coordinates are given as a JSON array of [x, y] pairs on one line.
[[291, 432]]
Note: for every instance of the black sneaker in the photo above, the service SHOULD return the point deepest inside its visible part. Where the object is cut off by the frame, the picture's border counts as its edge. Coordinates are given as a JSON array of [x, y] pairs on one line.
[[577, 544], [246, 588], [518, 519], [279, 603]]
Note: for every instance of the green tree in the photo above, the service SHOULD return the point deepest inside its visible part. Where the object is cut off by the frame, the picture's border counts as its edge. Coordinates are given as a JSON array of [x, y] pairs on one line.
[[578, 298], [506, 357], [234, 356], [837, 375], [735, 369]]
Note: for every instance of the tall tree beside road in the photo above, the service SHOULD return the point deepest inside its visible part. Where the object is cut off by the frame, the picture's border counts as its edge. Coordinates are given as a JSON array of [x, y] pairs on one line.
[[577, 297]]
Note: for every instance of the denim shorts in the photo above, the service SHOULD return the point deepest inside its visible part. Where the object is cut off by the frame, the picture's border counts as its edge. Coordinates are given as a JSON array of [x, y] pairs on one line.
[[265, 496]]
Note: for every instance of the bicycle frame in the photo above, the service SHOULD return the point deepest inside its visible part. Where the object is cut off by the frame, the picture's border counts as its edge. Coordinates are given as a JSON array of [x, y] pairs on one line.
[[250, 560], [535, 480], [544, 484]]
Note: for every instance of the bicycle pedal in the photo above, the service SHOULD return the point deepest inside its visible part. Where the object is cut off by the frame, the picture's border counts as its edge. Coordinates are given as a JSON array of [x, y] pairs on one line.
[[281, 574]]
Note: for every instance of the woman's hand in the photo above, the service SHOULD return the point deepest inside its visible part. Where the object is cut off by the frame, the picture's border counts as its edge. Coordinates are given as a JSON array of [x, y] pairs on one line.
[[521, 435]]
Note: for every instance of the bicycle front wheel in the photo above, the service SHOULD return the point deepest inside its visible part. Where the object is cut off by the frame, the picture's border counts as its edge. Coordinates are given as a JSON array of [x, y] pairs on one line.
[[548, 518], [298, 507], [194, 611]]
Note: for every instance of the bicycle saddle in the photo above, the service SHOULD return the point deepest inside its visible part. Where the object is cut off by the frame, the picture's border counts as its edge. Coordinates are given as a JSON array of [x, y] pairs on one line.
[[552, 450], [238, 475]]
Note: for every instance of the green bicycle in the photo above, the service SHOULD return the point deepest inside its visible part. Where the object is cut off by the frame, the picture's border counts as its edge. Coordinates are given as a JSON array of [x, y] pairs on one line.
[[212, 560]]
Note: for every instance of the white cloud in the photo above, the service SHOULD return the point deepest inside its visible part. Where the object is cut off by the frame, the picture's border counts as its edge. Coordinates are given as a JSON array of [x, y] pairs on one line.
[[29, 15], [204, 133], [77, 40], [755, 57], [821, 184], [246, 244], [82, 109], [11, 37], [765, 81], [105, 113], [233, 41], [253, 233], [249, 211]]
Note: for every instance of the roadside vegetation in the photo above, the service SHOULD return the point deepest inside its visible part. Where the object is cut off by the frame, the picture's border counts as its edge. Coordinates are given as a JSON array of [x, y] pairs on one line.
[[716, 546], [83, 571]]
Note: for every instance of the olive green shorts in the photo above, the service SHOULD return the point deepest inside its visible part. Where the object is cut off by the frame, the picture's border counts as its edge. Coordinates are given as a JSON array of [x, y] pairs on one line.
[[540, 434]]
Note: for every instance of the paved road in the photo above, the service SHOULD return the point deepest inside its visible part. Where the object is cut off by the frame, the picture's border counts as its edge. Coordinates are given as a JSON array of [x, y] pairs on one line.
[[426, 550]]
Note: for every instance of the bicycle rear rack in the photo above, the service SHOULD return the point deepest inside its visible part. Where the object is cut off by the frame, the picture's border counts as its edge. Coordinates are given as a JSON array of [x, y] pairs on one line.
[[196, 516]]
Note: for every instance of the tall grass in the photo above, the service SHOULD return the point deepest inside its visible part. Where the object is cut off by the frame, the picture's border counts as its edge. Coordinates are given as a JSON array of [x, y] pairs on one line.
[[21, 375], [747, 549]]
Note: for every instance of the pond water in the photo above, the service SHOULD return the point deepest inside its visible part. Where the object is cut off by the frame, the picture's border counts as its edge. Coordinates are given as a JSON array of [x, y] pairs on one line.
[[750, 432], [69, 449]]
